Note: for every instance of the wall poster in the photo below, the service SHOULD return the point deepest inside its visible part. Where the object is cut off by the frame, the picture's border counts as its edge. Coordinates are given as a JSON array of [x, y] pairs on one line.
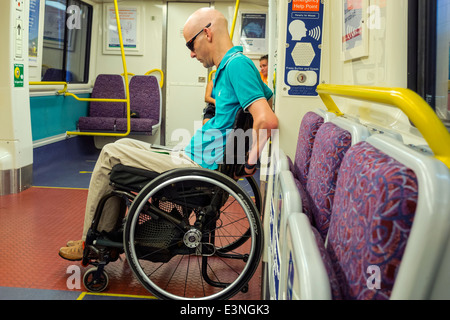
[[33, 32], [130, 22], [355, 40], [253, 33]]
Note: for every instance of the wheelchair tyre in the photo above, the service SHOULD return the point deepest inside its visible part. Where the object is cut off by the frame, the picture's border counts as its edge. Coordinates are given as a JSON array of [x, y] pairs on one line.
[[94, 282], [195, 268]]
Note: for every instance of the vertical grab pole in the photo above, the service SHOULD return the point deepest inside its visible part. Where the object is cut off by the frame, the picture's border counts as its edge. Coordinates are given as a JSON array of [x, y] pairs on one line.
[[233, 25], [122, 50]]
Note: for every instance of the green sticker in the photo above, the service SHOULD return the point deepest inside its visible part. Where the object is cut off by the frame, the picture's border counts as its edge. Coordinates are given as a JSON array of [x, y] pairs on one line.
[[18, 75]]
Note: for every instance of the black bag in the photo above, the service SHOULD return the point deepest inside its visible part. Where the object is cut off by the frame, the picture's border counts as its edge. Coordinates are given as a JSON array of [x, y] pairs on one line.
[[129, 178]]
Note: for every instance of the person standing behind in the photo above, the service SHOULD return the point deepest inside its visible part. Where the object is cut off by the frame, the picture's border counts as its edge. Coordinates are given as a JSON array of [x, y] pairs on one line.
[[210, 109], [264, 66]]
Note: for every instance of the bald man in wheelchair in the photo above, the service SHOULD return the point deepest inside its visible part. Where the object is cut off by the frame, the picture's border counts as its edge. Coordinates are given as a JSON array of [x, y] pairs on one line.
[[238, 85]]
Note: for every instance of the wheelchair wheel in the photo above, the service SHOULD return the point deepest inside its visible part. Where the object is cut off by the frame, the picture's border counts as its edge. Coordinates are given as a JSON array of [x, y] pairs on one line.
[[95, 280], [175, 230], [251, 187]]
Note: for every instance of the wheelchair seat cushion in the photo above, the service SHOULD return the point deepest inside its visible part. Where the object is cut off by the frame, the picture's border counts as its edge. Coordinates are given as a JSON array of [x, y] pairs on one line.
[[130, 178]]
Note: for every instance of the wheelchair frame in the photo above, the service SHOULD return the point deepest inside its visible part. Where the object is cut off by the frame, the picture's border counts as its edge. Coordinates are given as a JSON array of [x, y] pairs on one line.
[[191, 238]]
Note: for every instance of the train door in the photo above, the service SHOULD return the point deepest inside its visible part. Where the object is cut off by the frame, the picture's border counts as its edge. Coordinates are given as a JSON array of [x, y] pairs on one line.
[[186, 78]]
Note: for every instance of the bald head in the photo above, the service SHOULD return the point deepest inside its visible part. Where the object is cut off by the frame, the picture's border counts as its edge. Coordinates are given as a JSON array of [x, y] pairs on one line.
[[202, 17], [214, 42]]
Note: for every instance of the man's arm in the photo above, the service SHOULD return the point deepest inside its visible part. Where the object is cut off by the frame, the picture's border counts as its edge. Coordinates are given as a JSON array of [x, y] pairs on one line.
[[264, 121]]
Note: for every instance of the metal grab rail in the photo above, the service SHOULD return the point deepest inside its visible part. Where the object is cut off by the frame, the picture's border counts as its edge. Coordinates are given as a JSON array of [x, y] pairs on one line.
[[415, 108], [233, 25], [161, 82], [51, 83]]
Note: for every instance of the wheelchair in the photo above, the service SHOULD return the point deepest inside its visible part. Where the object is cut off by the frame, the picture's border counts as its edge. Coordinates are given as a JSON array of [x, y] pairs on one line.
[[188, 233]]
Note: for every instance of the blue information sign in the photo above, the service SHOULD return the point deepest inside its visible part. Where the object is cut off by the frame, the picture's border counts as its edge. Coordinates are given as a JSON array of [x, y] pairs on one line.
[[303, 47]]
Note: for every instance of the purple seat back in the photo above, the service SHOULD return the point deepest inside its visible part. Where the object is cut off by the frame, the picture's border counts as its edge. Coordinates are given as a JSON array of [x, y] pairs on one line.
[[145, 97], [311, 123], [331, 144], [373, 211], [108, 86]]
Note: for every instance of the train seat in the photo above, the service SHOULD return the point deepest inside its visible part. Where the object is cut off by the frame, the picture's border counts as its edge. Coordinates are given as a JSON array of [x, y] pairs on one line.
[[309, 126], [289, 245], [375, 201], [314, 199], [102, 115], [333, 140], [324, 139], [388, 235], [285, 200], [145, 106], [306, 279], [389, 227]]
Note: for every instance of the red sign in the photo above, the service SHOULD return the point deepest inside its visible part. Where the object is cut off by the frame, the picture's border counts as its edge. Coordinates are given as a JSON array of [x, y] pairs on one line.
[[305, 5], [354, 4]]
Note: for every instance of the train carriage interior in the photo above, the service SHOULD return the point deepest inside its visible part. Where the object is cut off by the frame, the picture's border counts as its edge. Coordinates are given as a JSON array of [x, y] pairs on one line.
[[351, 196]]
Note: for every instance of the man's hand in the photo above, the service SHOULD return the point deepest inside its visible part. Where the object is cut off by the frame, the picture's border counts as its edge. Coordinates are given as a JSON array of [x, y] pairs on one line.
[[244, 172]]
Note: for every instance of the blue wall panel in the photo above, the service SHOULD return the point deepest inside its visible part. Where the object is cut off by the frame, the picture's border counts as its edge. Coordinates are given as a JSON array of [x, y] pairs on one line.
[[54, 115]]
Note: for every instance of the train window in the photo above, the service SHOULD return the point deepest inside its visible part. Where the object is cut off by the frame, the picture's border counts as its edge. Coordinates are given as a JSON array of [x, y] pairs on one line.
[[443, 61], [429, 53], [67, 41]]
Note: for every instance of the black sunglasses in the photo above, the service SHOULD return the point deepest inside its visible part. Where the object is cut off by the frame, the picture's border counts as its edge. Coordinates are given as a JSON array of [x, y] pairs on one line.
[[190, 43]]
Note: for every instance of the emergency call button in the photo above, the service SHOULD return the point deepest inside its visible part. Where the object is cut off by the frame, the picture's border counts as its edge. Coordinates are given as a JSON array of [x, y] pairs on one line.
[[19, 5]]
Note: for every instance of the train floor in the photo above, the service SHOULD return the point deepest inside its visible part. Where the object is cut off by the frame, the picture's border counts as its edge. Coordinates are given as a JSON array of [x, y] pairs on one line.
[[36, 222]]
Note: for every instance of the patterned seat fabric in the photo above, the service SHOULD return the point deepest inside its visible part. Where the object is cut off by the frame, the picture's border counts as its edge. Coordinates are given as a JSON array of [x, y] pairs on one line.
[[144, 101], [137, 125], [311, 123], [111, 116], [373, 212], [331, 144], [102, 115], [304, 198]]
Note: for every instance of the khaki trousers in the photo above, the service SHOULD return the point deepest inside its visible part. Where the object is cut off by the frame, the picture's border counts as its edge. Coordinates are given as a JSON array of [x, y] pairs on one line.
[[132, 153]]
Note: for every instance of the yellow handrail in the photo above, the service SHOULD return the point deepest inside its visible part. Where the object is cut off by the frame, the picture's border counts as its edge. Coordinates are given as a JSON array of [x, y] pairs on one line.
[[417, 110], [233, 25], [161, 82], [51, 83], [127, 99], [211, 75], [94, 99]]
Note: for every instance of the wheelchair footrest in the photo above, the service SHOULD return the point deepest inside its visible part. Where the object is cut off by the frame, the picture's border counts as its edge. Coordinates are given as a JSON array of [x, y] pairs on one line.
[[108, 243]]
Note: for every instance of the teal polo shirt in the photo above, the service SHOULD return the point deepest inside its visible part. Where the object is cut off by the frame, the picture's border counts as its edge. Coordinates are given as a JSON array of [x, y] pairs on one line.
[[237, 85]]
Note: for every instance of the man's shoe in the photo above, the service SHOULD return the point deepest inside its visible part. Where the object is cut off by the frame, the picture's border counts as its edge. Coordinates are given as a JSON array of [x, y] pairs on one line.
[[74, 243], [74, 253]]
